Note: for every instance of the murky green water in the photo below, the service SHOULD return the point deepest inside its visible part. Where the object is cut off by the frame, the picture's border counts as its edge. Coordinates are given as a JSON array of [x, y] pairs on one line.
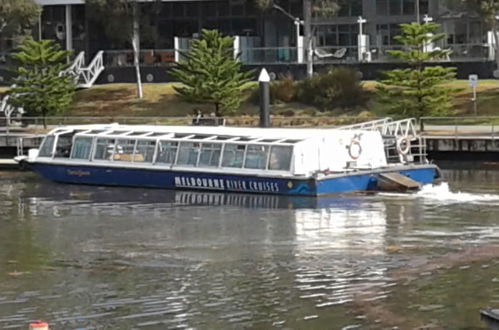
[[89, 257]]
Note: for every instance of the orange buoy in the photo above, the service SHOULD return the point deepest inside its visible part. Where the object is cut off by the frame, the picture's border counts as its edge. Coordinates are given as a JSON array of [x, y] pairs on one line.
[[39, 325]]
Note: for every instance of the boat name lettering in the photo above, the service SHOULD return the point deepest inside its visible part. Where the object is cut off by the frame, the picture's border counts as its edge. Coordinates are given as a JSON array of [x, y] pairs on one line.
[[79, 173], [230, 184]]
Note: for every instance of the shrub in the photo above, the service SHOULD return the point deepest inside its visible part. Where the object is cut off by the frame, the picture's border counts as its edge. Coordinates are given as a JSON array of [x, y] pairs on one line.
[[337, 88], [283, 90]]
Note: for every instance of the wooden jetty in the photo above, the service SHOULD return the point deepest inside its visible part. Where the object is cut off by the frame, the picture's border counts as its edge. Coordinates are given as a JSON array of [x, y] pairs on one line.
[[474, 139]]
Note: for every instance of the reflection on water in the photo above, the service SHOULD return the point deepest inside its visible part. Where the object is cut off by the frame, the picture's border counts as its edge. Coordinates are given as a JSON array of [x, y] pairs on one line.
[[84, 257]]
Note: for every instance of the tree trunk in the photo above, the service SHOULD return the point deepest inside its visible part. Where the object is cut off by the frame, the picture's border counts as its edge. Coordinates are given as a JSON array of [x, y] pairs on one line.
[[44, 115], [307, 40], [136, 49], [496, 43], [217, 109]]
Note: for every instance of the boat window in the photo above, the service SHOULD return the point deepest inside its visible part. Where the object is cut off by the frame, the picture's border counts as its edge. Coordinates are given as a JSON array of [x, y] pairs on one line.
[[104, 149], [81, 148], [144, 151], [256, 156], [47, 146], [167, 152], [123, 151], [188, 153], [233, 155], [280, 158], [63, 145], [210, 154]]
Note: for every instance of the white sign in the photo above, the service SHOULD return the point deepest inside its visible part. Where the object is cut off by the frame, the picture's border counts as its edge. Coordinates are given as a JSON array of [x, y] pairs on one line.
[[473, 80]]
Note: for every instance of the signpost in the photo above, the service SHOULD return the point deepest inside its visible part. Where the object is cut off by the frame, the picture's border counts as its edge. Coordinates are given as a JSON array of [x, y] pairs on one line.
[[473, 82]]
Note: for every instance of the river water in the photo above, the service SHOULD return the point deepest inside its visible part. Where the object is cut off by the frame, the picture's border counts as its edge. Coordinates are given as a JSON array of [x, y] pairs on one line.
[[84, 257]]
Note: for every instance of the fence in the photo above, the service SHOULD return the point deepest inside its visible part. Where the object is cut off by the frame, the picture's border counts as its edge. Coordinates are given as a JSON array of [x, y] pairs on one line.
[[35, 124], [291, 55], [462, 126]]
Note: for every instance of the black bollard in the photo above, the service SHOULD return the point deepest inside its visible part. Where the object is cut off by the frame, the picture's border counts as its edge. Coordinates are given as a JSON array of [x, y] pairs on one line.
[[264, 81]]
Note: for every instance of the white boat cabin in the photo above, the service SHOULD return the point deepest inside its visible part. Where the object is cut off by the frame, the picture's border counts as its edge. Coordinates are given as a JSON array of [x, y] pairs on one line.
[[260, 151]]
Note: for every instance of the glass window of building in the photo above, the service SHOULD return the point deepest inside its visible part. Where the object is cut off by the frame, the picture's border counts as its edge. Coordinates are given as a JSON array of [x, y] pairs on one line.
[[409, 7], [167, 152], [350, 8], [144, 151], [210, 154], [47, 146], [233, 155], [381, 7], [104, 149], [256, 156], [81, 148], [188, 153], [395, 7], [280, 158]]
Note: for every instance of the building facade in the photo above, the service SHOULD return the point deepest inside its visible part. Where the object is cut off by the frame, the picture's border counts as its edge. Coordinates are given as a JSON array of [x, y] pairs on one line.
[[361, 32]]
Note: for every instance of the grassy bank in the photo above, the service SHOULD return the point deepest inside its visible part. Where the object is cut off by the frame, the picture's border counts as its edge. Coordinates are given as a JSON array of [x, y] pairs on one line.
[[160, 100]]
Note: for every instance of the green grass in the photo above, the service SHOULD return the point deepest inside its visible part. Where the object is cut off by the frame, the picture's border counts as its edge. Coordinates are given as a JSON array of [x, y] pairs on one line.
[[160, 100], [487, 98]]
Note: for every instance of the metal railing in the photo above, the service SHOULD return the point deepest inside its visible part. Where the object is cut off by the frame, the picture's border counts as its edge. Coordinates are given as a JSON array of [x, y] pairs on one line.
[[85, 77], [88, 75], [75, 67], [486, 126], [293, 55], [401, 139], [124, 58]]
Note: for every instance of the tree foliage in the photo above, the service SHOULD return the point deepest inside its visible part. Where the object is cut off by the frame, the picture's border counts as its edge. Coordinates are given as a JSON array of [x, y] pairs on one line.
[[122, 22], [488, 11], [117, 17], [210, 73], [417, 91], [16, 15], [40, 87]]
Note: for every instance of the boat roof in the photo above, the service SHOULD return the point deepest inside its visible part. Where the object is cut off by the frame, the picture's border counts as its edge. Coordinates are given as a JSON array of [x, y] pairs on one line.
[[282, 135]]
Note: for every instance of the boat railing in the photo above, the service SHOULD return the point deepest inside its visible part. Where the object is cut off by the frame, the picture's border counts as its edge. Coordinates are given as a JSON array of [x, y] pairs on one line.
[[402, 142], [28, 141]]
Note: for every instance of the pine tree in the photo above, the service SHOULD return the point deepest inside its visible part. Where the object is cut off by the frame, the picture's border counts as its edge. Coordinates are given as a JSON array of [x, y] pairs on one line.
[[40, 88], [417, 91], [210, 73]]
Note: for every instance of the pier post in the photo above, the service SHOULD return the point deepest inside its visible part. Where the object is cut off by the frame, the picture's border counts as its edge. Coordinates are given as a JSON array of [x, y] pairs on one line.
[[264, 81]]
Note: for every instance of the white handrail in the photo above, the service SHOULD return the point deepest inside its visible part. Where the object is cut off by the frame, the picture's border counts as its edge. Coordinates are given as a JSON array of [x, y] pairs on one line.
[[90, 74], [84, 77]]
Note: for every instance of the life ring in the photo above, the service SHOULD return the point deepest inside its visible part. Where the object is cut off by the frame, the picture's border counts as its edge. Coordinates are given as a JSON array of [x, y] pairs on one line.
[[354, 149], [403, 145]]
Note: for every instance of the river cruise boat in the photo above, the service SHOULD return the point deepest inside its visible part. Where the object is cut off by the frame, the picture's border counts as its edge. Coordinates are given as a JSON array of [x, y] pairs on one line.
[[306, 162]]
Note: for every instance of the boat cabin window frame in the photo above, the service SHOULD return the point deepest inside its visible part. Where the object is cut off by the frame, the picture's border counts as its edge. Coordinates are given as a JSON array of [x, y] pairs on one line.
[[159, 145], [224, 164], [289, 163], [90, 151], [110, 153], [145, 155], [124, 150], [44, 146]]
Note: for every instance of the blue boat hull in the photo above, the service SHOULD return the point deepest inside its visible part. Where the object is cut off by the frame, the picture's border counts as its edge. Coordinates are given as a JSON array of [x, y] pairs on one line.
[[133, 177]]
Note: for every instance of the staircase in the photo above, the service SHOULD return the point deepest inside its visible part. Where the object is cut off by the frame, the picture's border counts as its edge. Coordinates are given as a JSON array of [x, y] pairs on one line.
[[8, 110], [85, 77]]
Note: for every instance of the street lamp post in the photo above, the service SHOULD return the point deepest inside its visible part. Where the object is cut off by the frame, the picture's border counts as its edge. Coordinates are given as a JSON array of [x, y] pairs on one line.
[[361, 40], [418, 20]]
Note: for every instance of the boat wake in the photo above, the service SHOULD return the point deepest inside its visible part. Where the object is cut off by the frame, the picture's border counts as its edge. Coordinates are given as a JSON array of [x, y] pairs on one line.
[[441, 193]]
